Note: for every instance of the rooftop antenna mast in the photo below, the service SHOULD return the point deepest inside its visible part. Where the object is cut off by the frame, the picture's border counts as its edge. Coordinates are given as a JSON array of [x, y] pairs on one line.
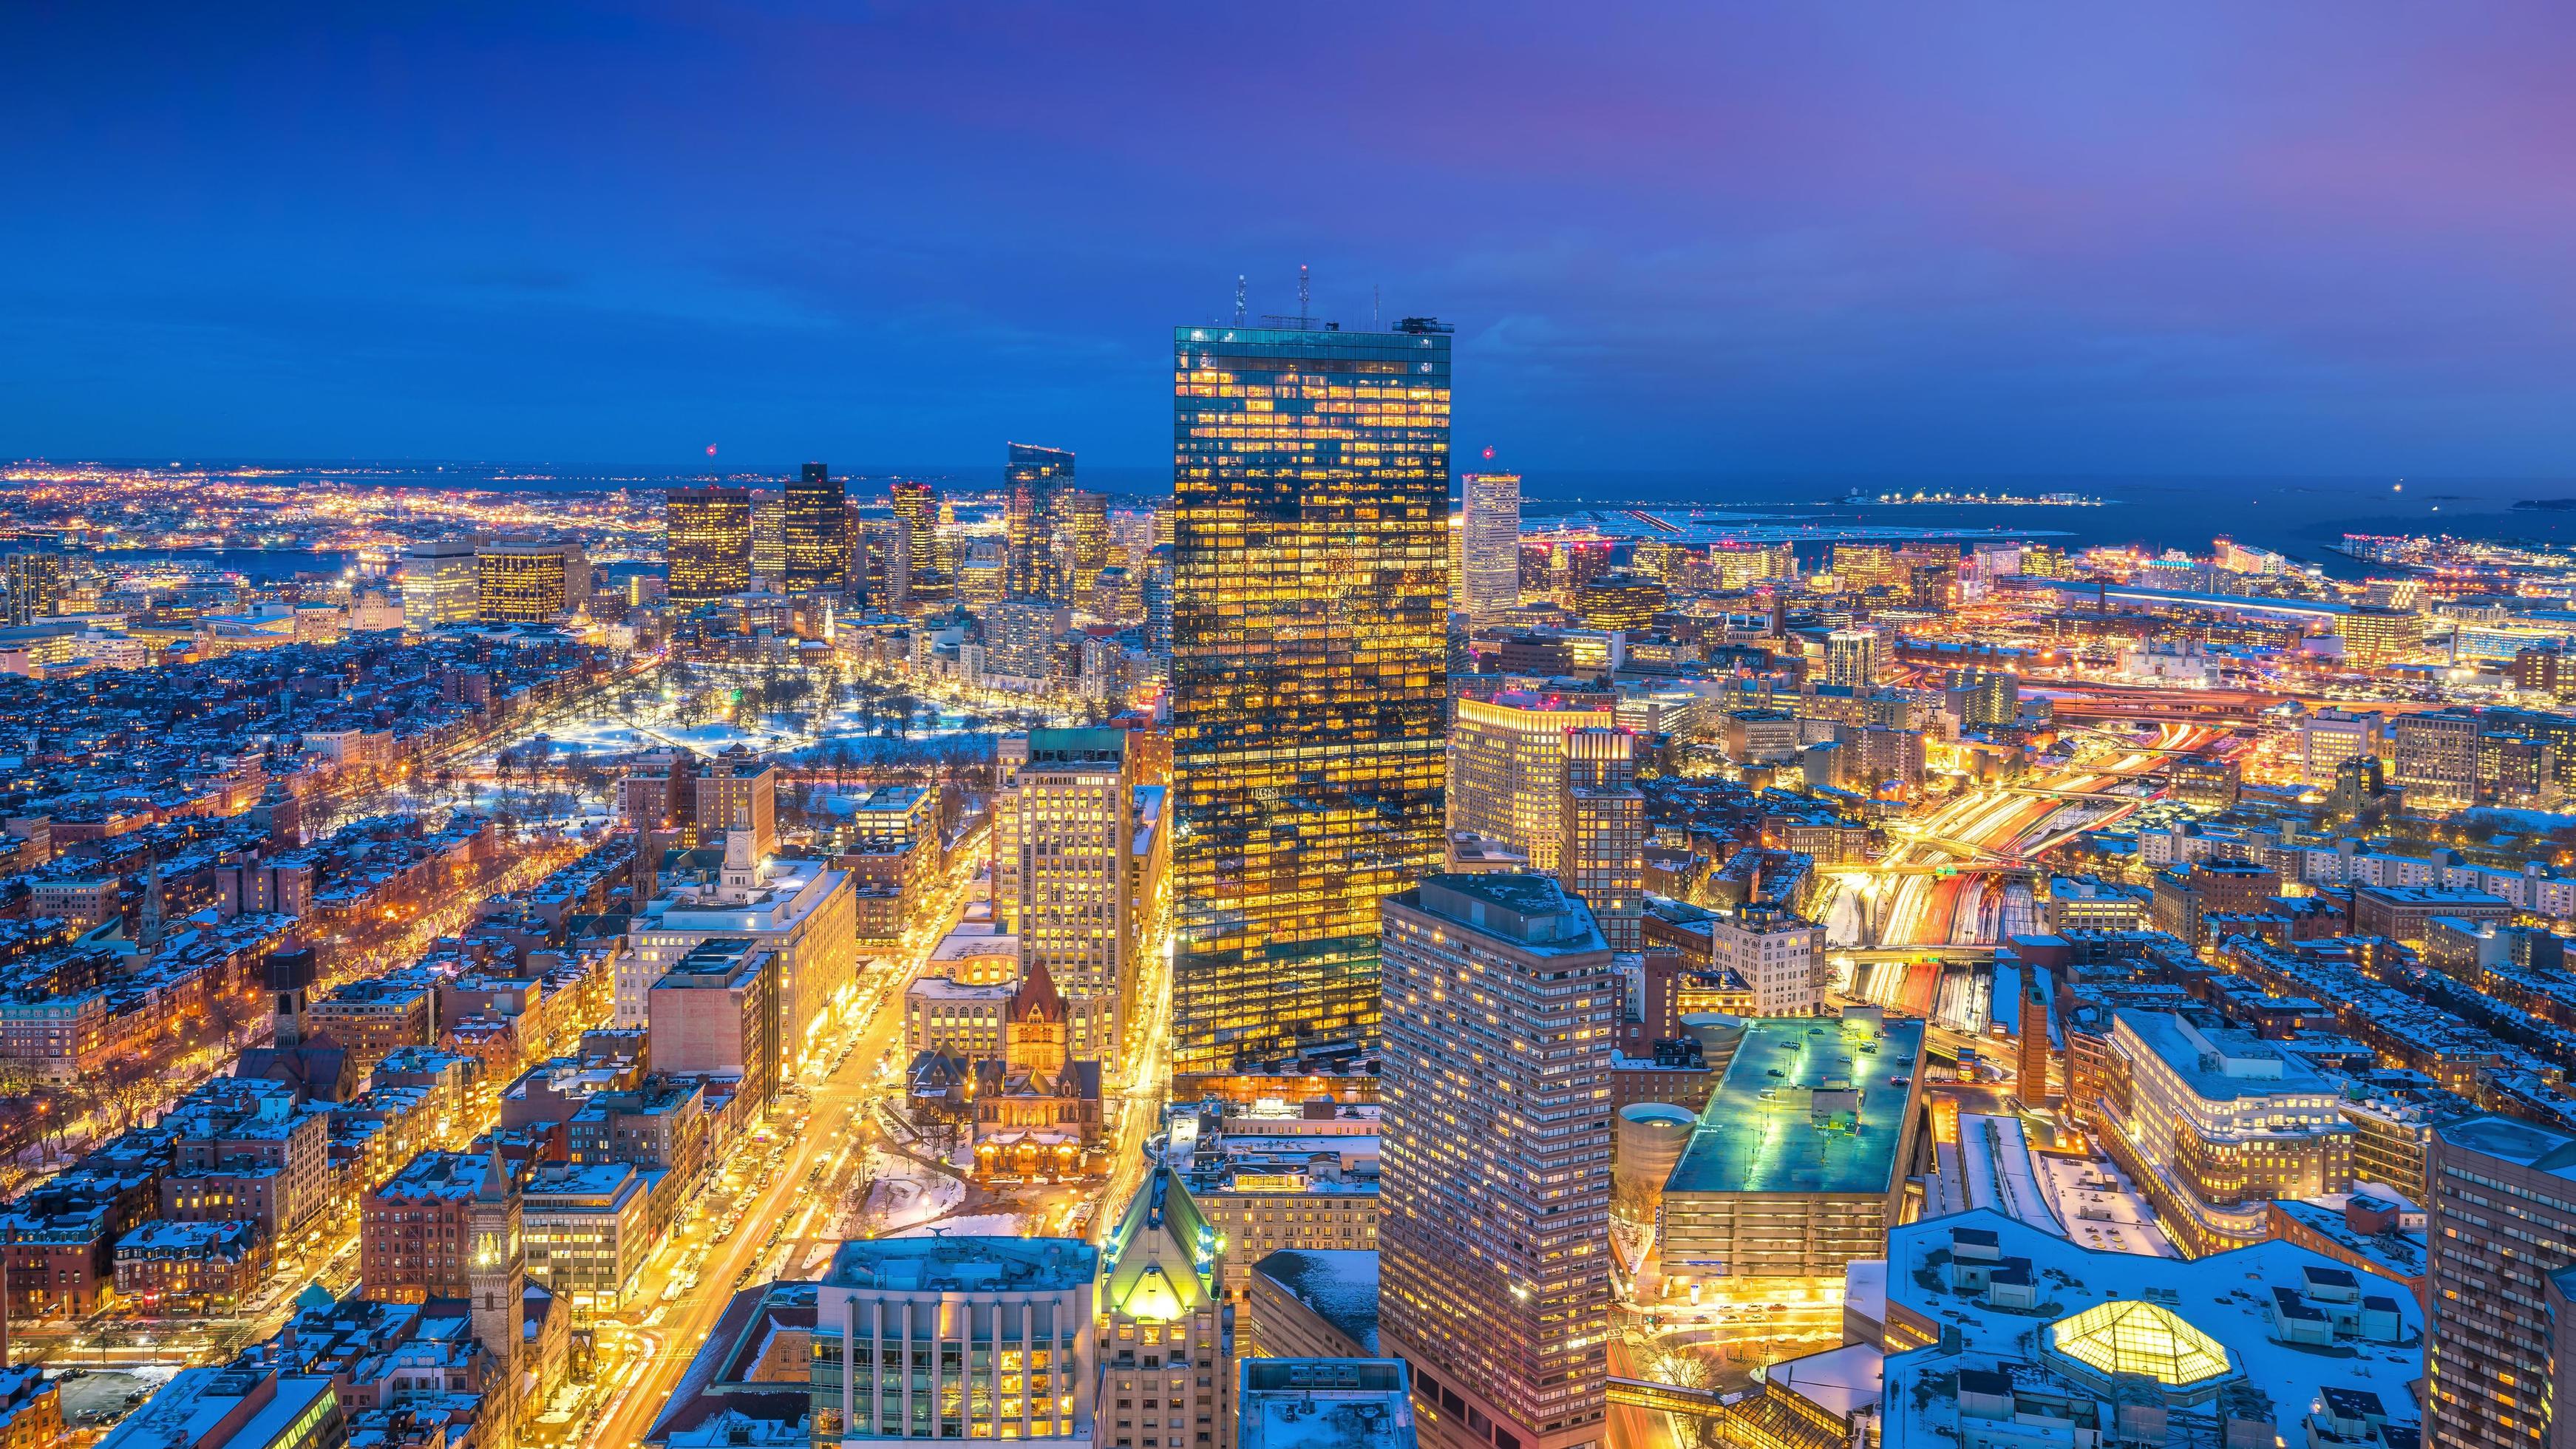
[[1238, 299], [1376, 323], [1302, 296]]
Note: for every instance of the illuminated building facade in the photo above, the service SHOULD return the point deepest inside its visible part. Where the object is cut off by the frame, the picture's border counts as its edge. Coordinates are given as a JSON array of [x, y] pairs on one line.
[[1619, 600], [1310, 472], [707, 539], [917, 513], [35, 578], [1164, 1324], [815, 533], [529, 583], [1031, 479], [2228, 1118], [1852, 658], [769, 541], [440, 583], [1506, 766], [1601, 845], [1494, 1277], [1063, 826], [1082, 545], [1489, 560]]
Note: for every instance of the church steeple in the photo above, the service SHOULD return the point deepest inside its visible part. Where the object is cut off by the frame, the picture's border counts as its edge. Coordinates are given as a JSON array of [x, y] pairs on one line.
[[147, 924]]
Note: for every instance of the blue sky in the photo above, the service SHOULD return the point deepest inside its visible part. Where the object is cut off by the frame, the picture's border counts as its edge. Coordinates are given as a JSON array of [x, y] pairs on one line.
[[1830, 239]]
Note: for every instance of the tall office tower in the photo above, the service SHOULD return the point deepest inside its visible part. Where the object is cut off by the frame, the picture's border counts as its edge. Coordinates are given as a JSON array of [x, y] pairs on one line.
[[529, 582], [1507, 767], [1490, 550], [1494, 1178], [917, 505], [815, 532], [1601, 845], [707, 540], [440, 583], [497, 1277], [1164, 1323], [1851, 658], [1309, 679], [1064, 823], [35, 585], [1032, 477], [1457, 562], [1157, 591], [2502, 1217], [768, 541], [2436, 757], [1082, 545]]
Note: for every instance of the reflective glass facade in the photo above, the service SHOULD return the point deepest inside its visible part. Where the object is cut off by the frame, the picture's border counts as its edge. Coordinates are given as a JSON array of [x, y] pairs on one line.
[[1031, 479], [814, 532], [707, 539], [1310, 474]]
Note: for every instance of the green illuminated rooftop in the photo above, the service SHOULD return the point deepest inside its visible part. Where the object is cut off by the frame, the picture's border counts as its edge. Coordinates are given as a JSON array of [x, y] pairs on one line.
[[1809, 1105]]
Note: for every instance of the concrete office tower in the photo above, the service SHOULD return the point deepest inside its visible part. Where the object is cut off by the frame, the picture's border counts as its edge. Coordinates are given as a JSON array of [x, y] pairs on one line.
[[530, 582], [439, 583], [706, 539], [1031, 479], [814, 531], [2502, 1217], [2436, 757], [917, 506], [1064, 824], [1494, 1276], [1490, 552], [1601, 850], [1309, 674], [1852, 658]]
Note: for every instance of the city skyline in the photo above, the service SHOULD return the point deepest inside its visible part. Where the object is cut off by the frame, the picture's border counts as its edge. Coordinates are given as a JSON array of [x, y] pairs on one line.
[[1720, 243]]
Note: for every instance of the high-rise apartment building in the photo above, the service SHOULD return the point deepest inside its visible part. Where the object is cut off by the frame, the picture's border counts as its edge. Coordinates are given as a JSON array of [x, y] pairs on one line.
[[1601, 841], [1852, 658], [440, 583], [529, 582], [707, 541], [1310, 471], [1494, 1279], [2502, 1234], [1489, 561], [1507, 765], [35, 579], [1031, 479], [737, 792], [1064, 824], [814, 532]]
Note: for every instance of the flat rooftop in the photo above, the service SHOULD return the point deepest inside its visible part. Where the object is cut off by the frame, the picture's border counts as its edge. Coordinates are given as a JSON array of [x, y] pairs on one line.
[[1765, 1129], [964, 1265]]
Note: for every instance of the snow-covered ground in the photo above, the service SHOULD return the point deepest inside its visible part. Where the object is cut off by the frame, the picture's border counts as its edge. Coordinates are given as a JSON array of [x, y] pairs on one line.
[[905, 1194], [2100, 1208], [972, 1225]]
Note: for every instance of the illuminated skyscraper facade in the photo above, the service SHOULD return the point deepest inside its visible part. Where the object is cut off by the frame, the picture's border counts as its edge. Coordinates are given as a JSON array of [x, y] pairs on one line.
[[530, 583], [1082, 546], [707, 540], [1031, 480], [1310, 476], [1493, 1248], [814, 532], [440, 583], [917, 514], [1490, 552], [768, 541]]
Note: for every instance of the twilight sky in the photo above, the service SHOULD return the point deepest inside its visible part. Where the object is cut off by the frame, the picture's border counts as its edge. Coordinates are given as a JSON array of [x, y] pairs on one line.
[[1839, 238]]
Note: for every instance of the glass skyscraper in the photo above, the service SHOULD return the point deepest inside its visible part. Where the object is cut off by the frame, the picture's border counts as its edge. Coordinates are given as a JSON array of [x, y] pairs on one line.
[[814, 532], [1310, 472], [707, 541], [1031, 477]]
